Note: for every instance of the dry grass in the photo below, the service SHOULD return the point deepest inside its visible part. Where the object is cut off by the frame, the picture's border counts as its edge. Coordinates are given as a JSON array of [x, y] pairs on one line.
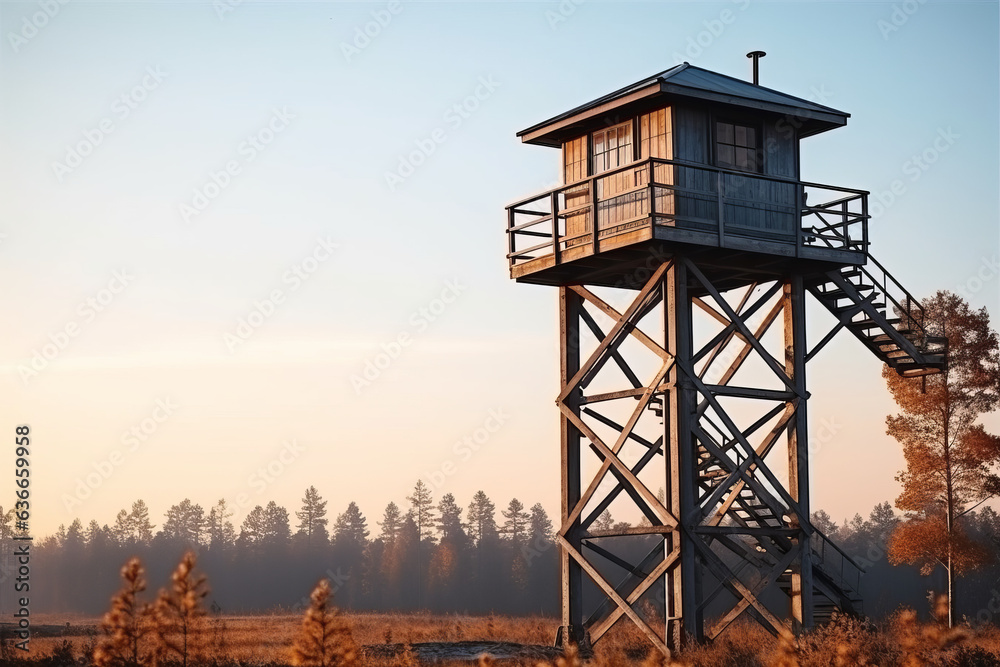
[[902, 642]]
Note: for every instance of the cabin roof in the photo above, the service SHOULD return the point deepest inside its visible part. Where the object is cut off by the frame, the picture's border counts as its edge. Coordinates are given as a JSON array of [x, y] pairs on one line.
[[689, 81]]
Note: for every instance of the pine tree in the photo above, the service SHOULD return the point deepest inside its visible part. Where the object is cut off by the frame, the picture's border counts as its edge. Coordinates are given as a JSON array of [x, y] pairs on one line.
[[141, 528], [821, 519], [351, 528], [603, 522], [516, 525], [482, 519], [951, 461], [422, 505], [219, 529], [324, 639], [122, 530], [391, 522], [539, 533], [185, 523], [253, 528], [6, 523], [312, 518], [277, 530], [179, 614], [450, 520], [74, 539], [127, 624]]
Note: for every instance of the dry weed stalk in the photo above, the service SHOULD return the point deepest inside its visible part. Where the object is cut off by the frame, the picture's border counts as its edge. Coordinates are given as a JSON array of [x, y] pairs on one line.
[[179, 614], [324, 639], [922, 645], [127, 623]]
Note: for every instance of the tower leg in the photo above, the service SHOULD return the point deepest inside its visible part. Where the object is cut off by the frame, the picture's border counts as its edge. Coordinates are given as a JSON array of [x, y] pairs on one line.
[[793, 296], [684, 618], [571, 576]]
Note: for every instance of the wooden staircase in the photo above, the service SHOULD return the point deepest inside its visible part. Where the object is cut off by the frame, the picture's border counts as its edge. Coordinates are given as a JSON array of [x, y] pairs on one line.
[[859, 298], [836, 577]]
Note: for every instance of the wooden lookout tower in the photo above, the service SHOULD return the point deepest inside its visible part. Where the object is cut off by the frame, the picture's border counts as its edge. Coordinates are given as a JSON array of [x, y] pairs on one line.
[[684, 241]]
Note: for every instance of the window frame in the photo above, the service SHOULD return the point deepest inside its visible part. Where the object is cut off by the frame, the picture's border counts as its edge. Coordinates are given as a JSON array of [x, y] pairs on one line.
[[592, 159], [756, 126]]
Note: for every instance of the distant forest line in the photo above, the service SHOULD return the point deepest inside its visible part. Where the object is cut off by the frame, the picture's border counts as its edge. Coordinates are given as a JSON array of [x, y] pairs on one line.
[[428, 555]]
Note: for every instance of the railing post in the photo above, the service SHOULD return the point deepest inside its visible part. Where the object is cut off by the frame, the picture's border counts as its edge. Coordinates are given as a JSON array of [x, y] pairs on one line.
[[652, 198], [800, 232], [864, 222], [847, 229], [554, 202], [510, 237], [718, 196], [594, 226]]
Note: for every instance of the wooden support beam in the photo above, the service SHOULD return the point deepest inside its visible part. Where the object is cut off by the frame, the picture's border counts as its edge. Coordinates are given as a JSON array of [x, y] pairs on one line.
[[601, 628], [624, 606], [623, 325], [798, 450], [778, 370], [570, 305], [589, 296]]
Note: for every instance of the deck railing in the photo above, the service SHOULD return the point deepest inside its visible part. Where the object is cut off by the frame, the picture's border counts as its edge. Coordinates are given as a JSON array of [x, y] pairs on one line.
[[674, 193]]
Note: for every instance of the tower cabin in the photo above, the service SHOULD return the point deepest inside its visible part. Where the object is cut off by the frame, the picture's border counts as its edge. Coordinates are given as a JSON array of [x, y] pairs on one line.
[[686, 158], [695, 163]]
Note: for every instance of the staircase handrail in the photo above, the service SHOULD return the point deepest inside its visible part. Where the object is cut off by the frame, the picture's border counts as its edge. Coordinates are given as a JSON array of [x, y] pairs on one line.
[[912, 302], [824, 541]]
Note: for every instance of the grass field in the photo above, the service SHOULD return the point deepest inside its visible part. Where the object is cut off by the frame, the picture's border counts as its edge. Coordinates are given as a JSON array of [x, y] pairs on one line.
[[265, 640]]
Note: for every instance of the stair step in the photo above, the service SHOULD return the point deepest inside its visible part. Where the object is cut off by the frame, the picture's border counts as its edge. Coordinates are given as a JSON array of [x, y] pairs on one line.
[[871, 324], [918, 372], [838, 293]]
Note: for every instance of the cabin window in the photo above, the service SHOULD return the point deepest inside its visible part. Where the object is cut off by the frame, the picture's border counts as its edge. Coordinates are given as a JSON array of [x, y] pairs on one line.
[[736, 146], [612, 147], [655, 135], [575, 160]]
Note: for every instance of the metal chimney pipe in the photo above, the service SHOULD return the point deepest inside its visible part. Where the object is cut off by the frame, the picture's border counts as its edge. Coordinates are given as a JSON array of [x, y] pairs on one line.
[[756, 55]]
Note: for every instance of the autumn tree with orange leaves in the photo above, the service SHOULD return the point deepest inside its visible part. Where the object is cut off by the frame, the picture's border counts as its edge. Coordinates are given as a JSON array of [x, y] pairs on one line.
[[951, 461]]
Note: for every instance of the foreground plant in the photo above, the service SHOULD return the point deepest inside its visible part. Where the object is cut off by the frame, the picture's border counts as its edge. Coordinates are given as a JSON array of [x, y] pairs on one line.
[[179, 614], [127, 623], [324, 639]]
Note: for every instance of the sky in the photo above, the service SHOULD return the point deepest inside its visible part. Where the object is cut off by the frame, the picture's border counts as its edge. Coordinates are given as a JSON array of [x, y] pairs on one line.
[[217, 217]]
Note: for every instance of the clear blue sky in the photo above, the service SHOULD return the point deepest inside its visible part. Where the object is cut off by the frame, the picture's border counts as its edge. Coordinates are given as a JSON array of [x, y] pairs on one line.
[[164, 95]]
